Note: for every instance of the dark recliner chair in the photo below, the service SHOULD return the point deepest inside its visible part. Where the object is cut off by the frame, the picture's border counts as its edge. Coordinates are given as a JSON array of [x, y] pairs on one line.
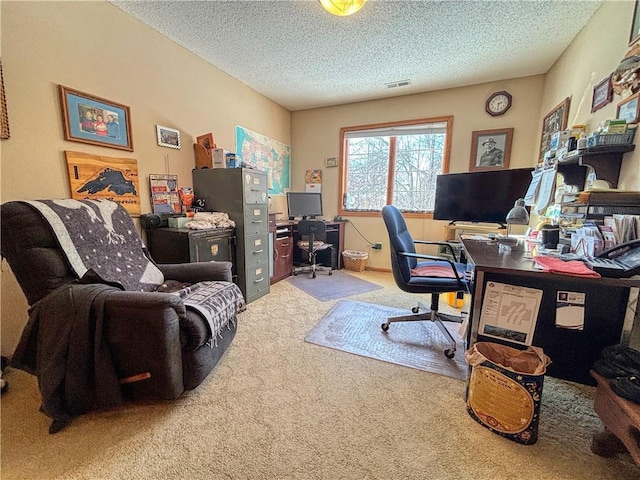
[[313, 239], [158, 347], [419, 273]]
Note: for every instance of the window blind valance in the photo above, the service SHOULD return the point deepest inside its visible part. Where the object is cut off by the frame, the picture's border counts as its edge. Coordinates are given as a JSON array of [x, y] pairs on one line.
[[418, 129]]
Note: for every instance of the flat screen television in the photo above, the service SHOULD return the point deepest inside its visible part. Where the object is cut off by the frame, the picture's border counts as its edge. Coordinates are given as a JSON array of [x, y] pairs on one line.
[[304, 204], [482, 197]]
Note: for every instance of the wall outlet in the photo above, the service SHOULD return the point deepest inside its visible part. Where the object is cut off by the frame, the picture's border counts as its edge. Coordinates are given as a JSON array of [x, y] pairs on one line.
[[377, 246]]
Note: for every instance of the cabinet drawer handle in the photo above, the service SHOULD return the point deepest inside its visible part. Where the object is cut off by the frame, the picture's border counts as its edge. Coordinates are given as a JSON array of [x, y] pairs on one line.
[[286, 244], [255, 252], [285, 256], [258, 280], [256, 221]]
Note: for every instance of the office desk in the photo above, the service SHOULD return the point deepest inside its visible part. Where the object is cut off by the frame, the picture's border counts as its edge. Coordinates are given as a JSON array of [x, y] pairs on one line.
[[335, 236], [572, 352]]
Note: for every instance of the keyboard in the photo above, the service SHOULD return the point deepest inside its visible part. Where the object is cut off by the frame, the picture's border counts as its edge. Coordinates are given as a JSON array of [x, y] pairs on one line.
[[606, 267]]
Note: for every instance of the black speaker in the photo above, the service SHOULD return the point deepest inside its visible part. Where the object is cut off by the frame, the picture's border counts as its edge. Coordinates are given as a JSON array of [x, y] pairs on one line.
[[150, 220], [156, 220]]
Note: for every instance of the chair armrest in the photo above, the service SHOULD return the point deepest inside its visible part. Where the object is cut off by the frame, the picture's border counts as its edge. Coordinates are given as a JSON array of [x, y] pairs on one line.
[[444, 244], [143, 333], [434, 258], [197, 272]]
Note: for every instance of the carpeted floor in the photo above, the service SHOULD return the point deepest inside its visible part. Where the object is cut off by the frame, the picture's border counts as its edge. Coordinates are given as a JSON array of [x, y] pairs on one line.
[[354, 327], [327, 287], [277, 407]]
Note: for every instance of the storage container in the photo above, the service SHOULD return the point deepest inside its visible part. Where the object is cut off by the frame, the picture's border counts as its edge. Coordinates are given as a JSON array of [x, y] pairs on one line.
[[505, 389], [354, 260]]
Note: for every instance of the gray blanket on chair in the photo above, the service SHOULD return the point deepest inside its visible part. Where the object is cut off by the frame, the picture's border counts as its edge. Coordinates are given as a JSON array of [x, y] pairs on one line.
[[100, 235], [63, 345]]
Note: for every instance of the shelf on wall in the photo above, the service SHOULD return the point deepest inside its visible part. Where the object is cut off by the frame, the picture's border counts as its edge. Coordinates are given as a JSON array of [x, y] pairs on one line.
[[605, 160]]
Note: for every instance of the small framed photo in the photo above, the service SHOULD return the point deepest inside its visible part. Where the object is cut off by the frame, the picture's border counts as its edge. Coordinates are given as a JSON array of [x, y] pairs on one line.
[[94, 120], [206, 141], [490, 149], [602, 94], [168, 137], [554, 121], [628, 109], [331, 162], [635, 25]]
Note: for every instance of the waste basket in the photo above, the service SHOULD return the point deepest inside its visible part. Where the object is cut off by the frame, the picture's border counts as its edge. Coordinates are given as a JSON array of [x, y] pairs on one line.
[[354, 260], [505, 389]]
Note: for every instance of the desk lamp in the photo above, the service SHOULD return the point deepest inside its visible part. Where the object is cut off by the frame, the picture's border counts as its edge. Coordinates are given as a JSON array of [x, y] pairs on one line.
[[518, 215]]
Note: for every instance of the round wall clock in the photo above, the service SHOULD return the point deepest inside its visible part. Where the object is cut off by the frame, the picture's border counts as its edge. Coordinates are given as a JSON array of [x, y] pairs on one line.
[[498, 103]]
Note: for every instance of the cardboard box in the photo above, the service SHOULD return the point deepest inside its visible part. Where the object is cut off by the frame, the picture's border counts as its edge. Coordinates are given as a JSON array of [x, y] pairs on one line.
[[178, 222], [219, 158]]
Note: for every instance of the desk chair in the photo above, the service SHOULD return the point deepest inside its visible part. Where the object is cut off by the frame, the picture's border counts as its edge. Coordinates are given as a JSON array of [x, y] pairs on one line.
[[313, 235], [434, 274]]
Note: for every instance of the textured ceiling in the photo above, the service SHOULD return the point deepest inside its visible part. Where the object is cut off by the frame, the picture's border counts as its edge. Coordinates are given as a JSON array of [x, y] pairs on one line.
[[300, 56]]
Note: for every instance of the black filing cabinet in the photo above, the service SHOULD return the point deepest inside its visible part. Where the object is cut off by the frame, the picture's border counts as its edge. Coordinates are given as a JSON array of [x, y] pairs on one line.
[[183, 245]]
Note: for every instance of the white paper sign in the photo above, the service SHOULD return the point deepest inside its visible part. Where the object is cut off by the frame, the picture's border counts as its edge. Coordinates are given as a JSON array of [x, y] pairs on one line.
[[510, 312]]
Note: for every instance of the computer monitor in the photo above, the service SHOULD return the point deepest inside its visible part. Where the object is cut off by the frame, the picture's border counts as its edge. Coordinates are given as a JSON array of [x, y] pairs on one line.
[[304, 204], [479, 196]]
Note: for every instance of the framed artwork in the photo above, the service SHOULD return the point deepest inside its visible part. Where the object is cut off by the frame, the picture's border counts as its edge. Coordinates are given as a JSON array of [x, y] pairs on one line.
[[206, 141], [168, 137], [490, 149], [635, 25], [93, 177], [94, 120], [554, 121], [602, 94], [331, 162], [628, 109], [4, 117]]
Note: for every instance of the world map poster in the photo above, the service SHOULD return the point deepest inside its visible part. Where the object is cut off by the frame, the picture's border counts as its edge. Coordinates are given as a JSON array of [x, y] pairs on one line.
[[266, 154]]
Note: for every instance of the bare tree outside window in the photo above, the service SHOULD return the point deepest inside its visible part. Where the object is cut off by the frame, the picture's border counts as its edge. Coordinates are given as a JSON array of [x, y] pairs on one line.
[[394, 164]]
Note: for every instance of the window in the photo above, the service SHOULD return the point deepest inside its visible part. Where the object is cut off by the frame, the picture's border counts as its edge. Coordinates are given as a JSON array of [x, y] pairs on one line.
[[393, 163]]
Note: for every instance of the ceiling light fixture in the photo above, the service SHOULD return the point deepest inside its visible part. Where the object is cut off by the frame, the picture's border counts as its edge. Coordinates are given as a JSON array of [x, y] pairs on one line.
[[342, 8]]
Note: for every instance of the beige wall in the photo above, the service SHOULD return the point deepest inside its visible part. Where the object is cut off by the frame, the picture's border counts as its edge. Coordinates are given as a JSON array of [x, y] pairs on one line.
[[315, 135], [594, 54], [96, 48]]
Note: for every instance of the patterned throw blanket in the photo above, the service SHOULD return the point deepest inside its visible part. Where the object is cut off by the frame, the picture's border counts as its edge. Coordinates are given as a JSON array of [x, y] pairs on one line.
[[100, 235], [217, 302]]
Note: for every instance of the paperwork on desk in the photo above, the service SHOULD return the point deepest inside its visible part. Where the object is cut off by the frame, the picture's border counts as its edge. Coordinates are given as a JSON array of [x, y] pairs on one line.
[[541, 189], [510, 312]]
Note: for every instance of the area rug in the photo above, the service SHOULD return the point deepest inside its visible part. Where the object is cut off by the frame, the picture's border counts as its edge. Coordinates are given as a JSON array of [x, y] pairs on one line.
[[354, 327], [327, 287]]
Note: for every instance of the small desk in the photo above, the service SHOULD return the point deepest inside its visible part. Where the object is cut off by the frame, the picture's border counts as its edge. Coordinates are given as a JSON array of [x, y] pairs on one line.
[[572, 352], [335, 236]]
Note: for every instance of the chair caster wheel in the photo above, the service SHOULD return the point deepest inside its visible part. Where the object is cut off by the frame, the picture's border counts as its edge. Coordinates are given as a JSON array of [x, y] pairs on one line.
[[415, 309], [330, 273], [449, 353], [384, 327], [314, 275]]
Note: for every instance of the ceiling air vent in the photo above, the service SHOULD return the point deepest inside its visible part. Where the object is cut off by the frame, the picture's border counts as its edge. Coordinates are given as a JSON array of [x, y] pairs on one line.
[[400, 83]]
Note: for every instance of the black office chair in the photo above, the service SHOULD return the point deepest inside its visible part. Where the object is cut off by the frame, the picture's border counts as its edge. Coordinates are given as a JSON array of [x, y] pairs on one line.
[[434, 275], [313, 235]]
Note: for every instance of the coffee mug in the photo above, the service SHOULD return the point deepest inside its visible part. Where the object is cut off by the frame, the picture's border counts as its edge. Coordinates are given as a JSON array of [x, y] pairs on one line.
[[550, 236]]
